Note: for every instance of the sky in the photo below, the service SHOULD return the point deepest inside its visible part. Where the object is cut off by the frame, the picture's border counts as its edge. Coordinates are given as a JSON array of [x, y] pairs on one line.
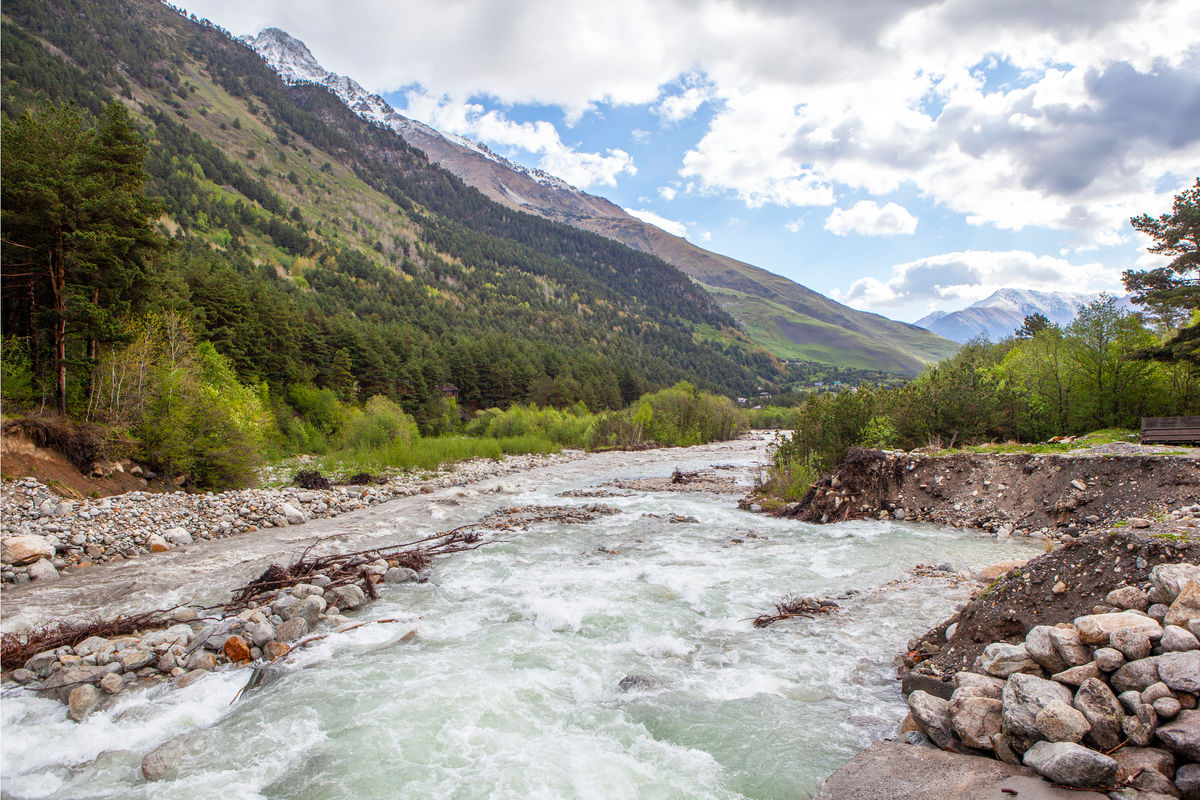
[[900, 156]]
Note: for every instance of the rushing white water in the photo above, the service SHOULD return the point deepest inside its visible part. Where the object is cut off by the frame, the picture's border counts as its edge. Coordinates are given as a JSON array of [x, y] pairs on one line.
[[510, 688]]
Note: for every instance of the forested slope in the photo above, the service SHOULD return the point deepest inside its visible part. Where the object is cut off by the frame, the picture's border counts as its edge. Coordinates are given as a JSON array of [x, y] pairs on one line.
[[314, 249]]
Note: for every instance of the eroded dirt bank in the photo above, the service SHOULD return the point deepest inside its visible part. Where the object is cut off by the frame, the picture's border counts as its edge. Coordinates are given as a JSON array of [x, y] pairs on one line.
[[1009, 493]]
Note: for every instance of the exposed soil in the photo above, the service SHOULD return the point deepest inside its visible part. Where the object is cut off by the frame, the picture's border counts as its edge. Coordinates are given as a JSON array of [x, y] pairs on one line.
[[1060, 493], [20, 457], [1088, 567]]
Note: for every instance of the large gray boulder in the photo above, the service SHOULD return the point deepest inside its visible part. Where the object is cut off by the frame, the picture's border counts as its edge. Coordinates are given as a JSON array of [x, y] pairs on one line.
[[1182, 735], [1136, 675], [1001, 659], [1181, 671], [1170, 579], [25, 549], [1070, 647], [932, 715], [1103, 712], [1071, 764], [1186, 608], [1041, 649], [1095, 629], [1023, 699], [975, 717], [1059, 722]]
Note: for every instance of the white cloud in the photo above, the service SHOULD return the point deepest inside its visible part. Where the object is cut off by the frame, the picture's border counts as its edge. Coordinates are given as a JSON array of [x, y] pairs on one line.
[[706, 236], [1067, 114], [674, 108], [869, 219], [966, 276], [669, 225], [473, 121], [667, 193]]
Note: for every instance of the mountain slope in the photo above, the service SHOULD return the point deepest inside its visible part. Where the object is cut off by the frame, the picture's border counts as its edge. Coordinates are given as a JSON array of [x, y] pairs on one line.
[[789, 319], [314, 247], [1004, 311]]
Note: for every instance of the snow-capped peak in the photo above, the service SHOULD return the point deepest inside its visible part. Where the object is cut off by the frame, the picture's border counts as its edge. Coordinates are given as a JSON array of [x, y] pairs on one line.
[[294, 63]]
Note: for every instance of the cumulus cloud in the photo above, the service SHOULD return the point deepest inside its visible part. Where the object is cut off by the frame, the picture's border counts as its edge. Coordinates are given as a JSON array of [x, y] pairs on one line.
[[667, 193], [669, 225], [869, 219], [966, 276], [674, 108]]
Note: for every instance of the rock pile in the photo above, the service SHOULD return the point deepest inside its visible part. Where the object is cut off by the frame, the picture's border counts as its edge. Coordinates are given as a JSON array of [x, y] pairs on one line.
[[43, 533], [88, 675], [1106, 702]]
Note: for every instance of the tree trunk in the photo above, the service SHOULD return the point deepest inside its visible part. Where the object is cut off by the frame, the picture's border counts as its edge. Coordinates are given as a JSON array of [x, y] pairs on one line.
[[58, 284]]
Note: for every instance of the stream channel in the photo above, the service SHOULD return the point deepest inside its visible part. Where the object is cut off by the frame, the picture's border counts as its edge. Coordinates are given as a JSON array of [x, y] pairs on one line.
[[511, 687]]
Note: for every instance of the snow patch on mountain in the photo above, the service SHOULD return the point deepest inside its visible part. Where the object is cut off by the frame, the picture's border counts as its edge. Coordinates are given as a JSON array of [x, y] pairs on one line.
[[1004, 311], [295, 64]]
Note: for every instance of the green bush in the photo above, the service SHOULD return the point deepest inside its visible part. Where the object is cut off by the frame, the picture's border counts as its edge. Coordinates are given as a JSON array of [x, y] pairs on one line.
[[380, 422], [16, 374]]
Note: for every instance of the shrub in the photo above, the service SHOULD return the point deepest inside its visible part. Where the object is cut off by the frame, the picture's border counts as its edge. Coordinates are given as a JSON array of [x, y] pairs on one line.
[[381, 421]]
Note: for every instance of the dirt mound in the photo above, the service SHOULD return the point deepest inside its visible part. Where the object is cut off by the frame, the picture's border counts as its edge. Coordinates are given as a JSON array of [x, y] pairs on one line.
[[1066, 493], [1083, 572], [21, 456]]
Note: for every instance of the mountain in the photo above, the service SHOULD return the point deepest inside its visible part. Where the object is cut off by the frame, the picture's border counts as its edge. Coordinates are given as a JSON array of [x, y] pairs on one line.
[[790, 320], [1002, 313], [316, 249]]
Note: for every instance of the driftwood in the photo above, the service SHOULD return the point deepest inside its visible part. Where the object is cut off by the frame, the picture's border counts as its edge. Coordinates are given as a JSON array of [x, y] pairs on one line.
[[17, 648], [790, 606], [345, 569]]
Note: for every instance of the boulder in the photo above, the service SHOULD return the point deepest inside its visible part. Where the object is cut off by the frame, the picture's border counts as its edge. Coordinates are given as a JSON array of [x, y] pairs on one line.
[[1155, 691], [1186, 606], [1109, 659], [293, 515], [133, 658], [25, 549], [1130, 598], [976, 718], [1099, 706], [1139, 726], [400, 575], [1180, 671], [345, 597], [1002, 659], [1131, 759], [1166, 707], [157, 544], [260, 633], [1182, 735], [1095, 629], [82, 700], [987, 686], [1071, 764], [162, 759], [43, 570], [1132, 644], [932, 715], [310, 608], [1023, 699], [112, 683], [61, 683], [1187, 781], [293, 629], [177, 536], [1059, 722], [237, 650], [1070, 647], [1178, 640], [1136, 675], [274, 650], [1170, 579], [1077, 675], [1041, 649]]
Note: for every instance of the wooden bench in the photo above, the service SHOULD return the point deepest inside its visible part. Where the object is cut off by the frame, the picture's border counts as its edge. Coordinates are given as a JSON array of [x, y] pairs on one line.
[[1160, 430]]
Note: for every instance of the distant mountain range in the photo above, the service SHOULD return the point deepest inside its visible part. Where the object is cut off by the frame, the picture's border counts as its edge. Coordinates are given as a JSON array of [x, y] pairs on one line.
[[1002, 313], [790, 320]]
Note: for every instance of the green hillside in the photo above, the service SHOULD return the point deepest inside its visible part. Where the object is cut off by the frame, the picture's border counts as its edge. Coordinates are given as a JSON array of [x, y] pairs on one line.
[[307, 244]]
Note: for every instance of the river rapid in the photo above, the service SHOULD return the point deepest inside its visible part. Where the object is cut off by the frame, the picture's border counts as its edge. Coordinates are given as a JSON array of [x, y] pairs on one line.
[[511, 687]]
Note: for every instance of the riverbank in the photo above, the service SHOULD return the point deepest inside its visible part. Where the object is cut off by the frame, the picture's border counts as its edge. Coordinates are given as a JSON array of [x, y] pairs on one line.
[[43, 535], [1058, 495]]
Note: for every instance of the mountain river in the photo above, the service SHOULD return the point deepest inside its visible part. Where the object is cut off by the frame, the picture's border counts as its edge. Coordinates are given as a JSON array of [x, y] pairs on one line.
[[511, 687]]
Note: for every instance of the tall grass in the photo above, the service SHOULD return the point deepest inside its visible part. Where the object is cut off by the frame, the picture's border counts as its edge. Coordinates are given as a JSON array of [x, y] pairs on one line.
[[430, 454]]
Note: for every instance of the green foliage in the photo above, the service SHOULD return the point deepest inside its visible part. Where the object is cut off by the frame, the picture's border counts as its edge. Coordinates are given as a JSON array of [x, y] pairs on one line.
[[879, 432], [683, 415], [771, 417], [16, 375], [566, 428], [793, 470], [380, 422]]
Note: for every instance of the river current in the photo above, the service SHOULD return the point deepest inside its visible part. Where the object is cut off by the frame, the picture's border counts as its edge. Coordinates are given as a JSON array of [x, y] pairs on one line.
[[512, 688]]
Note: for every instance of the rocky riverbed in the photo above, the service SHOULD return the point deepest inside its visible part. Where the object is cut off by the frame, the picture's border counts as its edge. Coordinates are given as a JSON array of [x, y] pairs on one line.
[[42, 534]]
